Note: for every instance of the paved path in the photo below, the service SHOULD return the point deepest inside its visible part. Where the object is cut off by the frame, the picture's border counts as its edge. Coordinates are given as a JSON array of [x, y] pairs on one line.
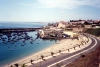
[[67, 57]]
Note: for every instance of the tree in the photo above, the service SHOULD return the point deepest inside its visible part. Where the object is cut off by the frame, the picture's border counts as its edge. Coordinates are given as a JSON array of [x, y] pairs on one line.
[[31, 61], [42, 56], [23, 65], [16, 64], [59, 51], [11, 65], [79, 46], [86, 23], [74, 47], [52, 53], [68, 50]]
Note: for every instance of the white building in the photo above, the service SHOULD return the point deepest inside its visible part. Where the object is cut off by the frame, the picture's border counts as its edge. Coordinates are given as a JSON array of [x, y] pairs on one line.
[[44, 33], [73, 35], [60, 25], [50, 33]]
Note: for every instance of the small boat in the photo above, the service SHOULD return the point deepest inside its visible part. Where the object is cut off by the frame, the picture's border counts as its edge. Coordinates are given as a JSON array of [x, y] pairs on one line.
[[22, 44], [10, 49]]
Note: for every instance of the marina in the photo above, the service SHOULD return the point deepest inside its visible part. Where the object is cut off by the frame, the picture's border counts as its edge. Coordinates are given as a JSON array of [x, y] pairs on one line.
[[49, 33], [17, 47], [16, 43]]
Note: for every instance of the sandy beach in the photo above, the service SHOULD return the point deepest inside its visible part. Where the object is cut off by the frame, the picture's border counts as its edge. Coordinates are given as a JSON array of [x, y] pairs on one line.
[[61, 45]]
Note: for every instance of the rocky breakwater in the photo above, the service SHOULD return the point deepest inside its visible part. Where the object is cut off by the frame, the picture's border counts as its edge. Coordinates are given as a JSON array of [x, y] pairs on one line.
[[18, 30]]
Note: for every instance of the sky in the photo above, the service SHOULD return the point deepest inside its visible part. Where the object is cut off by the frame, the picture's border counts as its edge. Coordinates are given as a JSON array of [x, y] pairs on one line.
[[49, 10]]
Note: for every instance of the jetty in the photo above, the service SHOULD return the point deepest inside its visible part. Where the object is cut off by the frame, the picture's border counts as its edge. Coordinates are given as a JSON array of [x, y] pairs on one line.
[[5, 30]]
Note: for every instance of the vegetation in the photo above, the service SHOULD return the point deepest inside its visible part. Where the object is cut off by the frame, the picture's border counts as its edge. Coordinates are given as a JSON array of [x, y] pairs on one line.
[[86, 23], [31, 61], [91, 59], [17, 65], [59, 51], [92, 31], [42, 56], [11, 66], [23, 65], [88, 60], [52, 53]]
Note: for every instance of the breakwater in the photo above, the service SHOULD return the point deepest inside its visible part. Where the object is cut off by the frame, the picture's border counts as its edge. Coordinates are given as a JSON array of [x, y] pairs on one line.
[[18, 30]]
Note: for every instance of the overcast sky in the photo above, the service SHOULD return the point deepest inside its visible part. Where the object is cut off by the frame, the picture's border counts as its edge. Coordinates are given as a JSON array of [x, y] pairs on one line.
[[48, 10]]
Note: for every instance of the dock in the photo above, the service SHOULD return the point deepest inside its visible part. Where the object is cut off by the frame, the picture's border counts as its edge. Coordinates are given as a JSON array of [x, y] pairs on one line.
[[5, 30]]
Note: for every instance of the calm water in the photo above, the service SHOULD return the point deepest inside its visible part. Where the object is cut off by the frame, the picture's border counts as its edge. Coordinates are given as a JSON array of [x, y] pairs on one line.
[[21, 24], [12, 48]]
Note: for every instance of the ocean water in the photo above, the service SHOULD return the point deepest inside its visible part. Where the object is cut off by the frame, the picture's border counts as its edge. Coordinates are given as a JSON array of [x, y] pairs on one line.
[[14, 46], [21, 24]]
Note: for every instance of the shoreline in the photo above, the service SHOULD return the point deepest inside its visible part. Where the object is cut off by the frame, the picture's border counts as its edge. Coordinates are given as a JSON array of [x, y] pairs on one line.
[[29, 56], [45, 51]]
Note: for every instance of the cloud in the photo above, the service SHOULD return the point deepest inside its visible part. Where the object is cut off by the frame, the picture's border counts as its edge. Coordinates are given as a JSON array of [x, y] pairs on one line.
[[66, 4]]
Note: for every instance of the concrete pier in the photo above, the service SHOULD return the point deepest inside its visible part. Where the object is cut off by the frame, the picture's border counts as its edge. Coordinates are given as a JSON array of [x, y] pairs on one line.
[[18, 30]]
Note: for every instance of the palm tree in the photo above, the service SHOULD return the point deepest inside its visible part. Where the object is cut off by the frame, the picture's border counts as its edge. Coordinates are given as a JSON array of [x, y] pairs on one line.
[[42, 56], [23, 65], [16, 64], [11, 65], [59, 51], [74, 47], [68, 50], [52, 53], [31, 61]]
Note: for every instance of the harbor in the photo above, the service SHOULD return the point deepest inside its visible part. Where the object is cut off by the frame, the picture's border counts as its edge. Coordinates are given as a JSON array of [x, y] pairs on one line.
[[19, 45], [49, 33]]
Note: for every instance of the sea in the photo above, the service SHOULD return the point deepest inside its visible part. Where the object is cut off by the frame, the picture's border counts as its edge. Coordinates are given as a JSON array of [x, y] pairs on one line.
[[14, 46]]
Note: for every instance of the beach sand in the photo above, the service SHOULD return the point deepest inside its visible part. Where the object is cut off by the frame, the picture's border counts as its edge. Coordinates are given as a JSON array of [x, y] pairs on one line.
[[61, 45]]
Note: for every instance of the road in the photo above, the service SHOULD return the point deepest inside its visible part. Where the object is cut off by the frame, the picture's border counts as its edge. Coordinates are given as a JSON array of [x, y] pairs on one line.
[[52, 62]]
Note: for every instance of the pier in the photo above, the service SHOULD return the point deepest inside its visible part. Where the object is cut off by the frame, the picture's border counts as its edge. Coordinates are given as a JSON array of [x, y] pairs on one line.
[[5, 30]]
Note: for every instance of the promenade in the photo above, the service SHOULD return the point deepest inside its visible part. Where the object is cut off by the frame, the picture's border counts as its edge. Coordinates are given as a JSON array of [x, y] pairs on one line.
[[66, 46]]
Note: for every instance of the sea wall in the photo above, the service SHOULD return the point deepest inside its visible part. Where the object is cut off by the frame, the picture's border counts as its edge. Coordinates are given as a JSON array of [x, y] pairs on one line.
[[18, 30]]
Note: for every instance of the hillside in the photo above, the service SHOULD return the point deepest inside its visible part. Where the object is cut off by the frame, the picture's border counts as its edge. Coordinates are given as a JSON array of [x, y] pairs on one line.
[[91, 59], [88, 60], [93, 31]]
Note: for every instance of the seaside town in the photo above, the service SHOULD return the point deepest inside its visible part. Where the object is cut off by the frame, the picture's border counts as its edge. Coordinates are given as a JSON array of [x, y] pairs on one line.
[[67, 29], [49, 33], [75, 33]]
